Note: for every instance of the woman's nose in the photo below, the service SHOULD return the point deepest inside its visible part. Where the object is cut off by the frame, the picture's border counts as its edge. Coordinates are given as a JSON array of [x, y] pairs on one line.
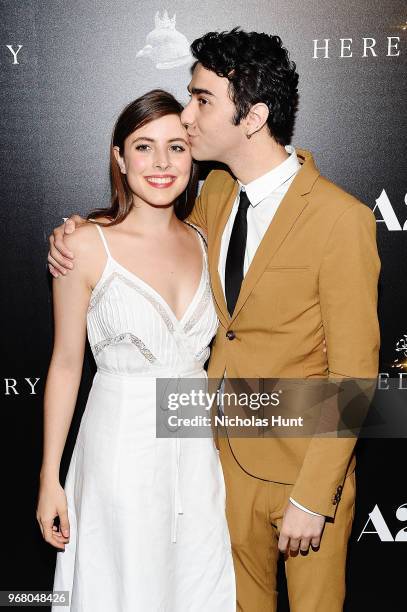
[[162, 161], [162, 165]]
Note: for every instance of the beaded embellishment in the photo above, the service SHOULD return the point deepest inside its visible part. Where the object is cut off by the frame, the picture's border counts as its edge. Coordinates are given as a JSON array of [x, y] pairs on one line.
[[97, 348]]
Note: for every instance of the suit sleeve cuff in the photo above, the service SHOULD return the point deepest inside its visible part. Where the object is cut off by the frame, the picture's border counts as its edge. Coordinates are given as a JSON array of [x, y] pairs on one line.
[[303, 508]]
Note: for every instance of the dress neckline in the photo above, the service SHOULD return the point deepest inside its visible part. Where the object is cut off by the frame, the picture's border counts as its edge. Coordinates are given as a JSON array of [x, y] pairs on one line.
[[150, 288]]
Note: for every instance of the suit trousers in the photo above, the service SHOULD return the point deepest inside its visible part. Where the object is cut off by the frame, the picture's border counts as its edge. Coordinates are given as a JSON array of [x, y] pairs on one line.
[[255, 509]]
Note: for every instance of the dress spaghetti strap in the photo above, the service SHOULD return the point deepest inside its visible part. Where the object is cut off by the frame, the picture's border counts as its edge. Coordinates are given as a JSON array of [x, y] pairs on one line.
[[204, 242], [102, 236]]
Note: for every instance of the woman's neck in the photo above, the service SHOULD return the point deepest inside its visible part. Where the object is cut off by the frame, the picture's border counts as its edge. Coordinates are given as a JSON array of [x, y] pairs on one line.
[[150, 219]]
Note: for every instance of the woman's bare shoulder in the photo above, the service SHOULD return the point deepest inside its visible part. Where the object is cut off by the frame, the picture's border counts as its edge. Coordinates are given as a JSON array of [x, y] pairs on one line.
[[84, 239]]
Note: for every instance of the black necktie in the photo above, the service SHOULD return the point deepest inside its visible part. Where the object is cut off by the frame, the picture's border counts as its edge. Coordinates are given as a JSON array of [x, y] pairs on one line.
[[236, 251]]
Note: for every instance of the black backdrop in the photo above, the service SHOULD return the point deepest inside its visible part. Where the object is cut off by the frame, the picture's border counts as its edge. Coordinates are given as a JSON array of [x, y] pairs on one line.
[[78, 64]]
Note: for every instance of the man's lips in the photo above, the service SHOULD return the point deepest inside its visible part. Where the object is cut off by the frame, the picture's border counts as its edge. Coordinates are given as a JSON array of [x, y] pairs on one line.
[[161, 181]]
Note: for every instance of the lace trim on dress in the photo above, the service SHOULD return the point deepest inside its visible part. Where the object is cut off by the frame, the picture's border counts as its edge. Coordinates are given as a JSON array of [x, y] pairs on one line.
[[205, 351], [199, 310], [155, 303], [99, 346]]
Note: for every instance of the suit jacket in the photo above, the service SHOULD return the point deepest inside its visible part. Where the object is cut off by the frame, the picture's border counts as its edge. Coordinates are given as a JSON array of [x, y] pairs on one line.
[[313, 278]]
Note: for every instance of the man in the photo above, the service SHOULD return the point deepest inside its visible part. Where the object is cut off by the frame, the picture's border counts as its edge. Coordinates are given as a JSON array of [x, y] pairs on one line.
[[294, 265]]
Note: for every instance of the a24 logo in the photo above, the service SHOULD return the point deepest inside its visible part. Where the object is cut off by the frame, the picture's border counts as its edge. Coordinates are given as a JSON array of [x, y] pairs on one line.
[[381, 529], [389, 217]]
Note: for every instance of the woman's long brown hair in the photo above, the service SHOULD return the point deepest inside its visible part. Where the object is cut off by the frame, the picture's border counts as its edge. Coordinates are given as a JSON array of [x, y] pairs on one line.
[[152, 105]]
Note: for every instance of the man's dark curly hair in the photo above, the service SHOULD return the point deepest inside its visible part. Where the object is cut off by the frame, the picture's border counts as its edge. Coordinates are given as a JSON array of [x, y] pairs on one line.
[[258, 69]]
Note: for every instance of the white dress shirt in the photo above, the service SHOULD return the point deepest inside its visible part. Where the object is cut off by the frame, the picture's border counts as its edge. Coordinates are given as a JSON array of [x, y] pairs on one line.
[[265, 194]]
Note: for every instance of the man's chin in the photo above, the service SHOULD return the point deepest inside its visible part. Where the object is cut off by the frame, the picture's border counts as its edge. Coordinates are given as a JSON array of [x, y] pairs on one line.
[[200, 155]]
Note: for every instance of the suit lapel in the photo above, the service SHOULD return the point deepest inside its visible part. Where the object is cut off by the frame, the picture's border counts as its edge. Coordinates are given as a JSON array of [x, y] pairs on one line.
[[290, 208], [228, 196], [287, 213]]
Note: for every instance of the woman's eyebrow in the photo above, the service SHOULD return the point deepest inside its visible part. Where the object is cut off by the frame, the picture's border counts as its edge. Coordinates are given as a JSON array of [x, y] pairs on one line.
[[178, 139], [153, 140], [143, 138]]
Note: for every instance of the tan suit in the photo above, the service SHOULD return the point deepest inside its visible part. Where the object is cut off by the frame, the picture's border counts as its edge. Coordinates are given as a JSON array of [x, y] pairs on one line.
[[313, 278]]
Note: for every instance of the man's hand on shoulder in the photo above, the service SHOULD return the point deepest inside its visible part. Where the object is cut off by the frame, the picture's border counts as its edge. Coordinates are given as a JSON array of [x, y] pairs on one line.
[[59, 256]]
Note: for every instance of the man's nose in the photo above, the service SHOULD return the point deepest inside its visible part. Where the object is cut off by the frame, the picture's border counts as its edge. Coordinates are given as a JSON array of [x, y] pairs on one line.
[[187, 115]]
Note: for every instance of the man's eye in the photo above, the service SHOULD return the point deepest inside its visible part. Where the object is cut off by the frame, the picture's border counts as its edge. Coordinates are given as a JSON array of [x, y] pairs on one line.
[[202, 101], [142, 147], [177, 148]]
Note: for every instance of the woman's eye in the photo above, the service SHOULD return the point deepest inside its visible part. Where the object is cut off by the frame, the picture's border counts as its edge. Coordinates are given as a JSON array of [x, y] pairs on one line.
[[142, 147], [177, 148]]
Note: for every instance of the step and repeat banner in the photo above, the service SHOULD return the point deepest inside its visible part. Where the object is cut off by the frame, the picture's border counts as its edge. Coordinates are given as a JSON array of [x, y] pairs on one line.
[[67, 68]]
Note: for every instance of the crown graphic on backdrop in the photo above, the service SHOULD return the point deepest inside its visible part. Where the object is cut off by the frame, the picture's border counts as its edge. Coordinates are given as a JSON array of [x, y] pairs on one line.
[[165, 21], [165, 46]]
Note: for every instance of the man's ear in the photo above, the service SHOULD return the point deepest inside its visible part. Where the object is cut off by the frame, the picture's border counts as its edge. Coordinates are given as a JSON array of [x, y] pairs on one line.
[[256, 118], [119, 159]]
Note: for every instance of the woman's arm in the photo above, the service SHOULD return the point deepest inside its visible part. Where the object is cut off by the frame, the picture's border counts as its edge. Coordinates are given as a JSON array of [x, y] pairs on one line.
[[71, 296], [71, 299]]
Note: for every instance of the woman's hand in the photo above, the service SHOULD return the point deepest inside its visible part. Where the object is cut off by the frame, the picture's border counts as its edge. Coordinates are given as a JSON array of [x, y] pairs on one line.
[[51, 503]]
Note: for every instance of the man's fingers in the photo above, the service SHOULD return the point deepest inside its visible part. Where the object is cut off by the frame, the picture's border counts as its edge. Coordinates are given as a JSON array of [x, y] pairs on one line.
[[304, 546], [75, 221], [53, 271], [60, 257], [283, 543], [56, 243], [294, 544], [55, 250], [60, 251], [55, 266], [72, 223], [69, 226]]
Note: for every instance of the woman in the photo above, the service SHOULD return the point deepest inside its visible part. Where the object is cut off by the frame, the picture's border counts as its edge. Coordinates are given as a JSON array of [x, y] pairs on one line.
[[142, 519]]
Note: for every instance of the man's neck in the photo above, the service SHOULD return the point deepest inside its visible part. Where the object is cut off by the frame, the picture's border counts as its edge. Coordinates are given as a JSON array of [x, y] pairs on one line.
[[256, 158]]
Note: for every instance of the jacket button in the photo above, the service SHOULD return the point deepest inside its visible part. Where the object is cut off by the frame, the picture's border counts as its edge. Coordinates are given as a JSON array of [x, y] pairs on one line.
[[230, 335]]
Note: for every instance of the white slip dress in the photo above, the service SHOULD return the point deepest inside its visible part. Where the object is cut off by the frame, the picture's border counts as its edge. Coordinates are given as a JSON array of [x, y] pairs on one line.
[[148, 530]]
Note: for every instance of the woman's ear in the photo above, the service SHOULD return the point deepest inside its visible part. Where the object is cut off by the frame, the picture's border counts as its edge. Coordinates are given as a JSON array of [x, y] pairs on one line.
[[120, 160]]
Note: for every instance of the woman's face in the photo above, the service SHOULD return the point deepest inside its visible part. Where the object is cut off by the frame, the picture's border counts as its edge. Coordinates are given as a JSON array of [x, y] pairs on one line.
[[157, 160]]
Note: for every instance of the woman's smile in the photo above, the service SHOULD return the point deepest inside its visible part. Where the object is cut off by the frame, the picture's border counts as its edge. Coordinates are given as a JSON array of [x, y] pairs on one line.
[[161, 181]]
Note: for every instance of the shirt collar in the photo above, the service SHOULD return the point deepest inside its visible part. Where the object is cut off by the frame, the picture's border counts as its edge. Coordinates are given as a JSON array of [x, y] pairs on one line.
[[263, 186]]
